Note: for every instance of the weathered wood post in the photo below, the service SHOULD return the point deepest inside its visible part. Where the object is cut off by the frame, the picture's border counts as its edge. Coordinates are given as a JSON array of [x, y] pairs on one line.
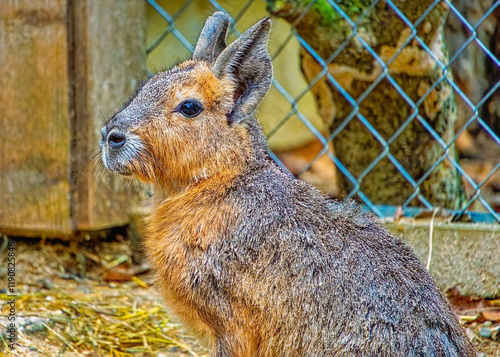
[[64, 67]]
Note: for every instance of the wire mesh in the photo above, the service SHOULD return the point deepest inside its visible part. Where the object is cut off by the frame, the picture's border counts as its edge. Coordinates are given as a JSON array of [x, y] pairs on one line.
[[477, 163]]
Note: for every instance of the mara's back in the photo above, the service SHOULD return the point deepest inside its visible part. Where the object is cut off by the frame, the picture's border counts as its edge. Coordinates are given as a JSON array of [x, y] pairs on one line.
[[325, 278]]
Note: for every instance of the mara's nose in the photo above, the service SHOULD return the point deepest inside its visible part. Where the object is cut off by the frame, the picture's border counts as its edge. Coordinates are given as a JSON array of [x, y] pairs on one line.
[[116, 140]]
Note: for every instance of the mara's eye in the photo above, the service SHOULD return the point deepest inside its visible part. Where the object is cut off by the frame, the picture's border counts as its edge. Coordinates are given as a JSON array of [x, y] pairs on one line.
[[190, 108]]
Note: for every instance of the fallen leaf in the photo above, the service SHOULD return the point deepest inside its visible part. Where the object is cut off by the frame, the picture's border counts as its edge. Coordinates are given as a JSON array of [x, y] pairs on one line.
[[495, 302], [114, 275], [492, 315]]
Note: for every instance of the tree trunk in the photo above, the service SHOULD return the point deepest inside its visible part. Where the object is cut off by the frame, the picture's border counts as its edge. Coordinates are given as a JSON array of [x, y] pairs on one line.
[[355, 69]]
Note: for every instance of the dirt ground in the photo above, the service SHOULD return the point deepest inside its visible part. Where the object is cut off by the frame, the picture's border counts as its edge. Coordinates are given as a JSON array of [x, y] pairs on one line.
[[94, 299]]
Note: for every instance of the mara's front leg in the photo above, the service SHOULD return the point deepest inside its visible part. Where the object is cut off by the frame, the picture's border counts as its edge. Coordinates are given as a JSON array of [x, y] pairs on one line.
[[235, 344]]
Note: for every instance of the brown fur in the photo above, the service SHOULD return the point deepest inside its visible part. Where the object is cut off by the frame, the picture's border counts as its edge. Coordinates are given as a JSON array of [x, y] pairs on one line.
[[182, 226], [190, 155]]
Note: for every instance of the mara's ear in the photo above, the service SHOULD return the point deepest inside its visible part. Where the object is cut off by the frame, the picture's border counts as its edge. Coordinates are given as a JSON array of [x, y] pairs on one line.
[[212, 39], [248, 65]]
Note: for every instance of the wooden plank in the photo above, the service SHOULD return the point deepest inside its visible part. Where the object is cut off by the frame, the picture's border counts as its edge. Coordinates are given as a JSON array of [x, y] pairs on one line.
[[34, 118], [109, 59]]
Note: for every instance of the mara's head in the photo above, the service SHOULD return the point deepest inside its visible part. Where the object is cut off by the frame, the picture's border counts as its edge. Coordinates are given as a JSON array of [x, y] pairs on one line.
[[193, 121]]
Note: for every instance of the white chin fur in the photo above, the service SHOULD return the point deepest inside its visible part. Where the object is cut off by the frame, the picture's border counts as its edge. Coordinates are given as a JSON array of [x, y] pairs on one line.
[[105, 159]]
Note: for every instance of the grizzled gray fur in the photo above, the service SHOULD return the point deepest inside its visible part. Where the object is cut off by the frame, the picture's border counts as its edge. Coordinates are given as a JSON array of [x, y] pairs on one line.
[[253, 261]]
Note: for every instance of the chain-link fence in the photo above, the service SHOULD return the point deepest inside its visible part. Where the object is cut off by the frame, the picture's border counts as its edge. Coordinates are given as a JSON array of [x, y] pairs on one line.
[[394, 103]]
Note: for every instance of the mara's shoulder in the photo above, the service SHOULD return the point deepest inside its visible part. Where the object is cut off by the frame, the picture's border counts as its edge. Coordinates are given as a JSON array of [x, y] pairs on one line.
[[269, 182]]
